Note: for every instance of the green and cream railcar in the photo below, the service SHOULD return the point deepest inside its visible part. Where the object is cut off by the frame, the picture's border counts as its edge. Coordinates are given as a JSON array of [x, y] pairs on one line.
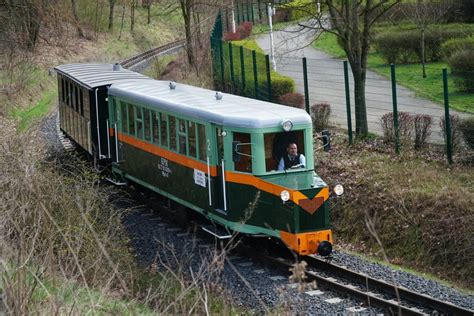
[[218, 155]]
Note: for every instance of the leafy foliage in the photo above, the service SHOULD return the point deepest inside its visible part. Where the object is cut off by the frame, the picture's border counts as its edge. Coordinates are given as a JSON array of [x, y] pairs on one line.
[[320, 113], [462, 66], [467, 129]]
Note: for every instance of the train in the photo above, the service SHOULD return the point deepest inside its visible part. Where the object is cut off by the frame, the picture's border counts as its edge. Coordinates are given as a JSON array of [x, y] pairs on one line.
[[217, 154]]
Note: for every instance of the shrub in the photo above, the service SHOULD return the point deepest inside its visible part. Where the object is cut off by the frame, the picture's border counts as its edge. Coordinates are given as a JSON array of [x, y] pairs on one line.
[[462, 67], [281, 15], [300, 9], [455, 136], [281, 85], [467, 129], [229, 36], [422, 125], [243, 31], [293, 99], [404, 46], [405, 126], [320, 113], [455, 45]]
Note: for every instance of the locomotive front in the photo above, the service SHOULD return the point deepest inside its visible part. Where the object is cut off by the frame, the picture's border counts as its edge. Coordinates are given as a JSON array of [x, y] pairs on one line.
[[292, 202]]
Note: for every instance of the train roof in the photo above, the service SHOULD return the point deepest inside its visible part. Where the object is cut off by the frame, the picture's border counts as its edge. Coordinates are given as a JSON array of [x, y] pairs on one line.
[[231, 110], [97, 75]]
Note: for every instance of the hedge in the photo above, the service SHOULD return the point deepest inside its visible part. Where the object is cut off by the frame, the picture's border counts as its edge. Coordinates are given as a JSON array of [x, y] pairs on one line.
[[455, 45], [462, 68], [404, 46]]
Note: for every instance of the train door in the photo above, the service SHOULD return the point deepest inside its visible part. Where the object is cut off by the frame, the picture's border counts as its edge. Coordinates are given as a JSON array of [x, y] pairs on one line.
[[220, 183]]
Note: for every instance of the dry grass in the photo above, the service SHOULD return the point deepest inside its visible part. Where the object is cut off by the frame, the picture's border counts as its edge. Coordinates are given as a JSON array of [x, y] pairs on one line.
[[63, 248], [420, 210]]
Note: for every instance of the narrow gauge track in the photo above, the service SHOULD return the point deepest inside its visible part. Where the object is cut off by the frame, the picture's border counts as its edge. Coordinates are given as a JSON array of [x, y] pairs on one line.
[[371, 291], [167, 48]]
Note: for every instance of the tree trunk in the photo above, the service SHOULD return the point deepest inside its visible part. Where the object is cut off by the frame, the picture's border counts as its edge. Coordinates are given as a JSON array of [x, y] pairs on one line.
[[359, 75], [132, 15], [186, 8], [197, 23], [423, 51], [76, 19], [123, 19], [148, 9], [111, 14]]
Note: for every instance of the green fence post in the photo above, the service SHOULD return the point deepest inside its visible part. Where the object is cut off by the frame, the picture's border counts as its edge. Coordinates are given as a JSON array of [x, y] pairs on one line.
[[447, 118], [306, 91], [269, 79], [251, 11], [248, 11], [255, 73], [395, 109], [231, 57], [242, 69], [348, 102], [259, 11], [221, 57]]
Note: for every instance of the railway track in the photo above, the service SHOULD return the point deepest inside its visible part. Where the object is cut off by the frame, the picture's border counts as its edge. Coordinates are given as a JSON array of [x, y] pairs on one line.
[[161, 50], [372, 292]]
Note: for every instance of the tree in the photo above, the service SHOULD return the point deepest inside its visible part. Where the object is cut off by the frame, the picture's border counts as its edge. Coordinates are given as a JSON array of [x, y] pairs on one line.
[[187, 9], [111, 14], [423, 13], [352, 22], [76, 19]]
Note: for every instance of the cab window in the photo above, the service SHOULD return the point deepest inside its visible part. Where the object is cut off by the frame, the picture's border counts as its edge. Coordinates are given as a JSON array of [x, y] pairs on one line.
[[276, 147]]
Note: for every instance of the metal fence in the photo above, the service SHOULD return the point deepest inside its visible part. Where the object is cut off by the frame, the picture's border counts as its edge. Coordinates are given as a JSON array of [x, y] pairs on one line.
[[246, 72]]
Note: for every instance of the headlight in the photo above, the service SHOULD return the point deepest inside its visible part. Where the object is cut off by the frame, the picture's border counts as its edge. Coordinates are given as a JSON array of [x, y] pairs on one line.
[[285, 195], [339, 190], [287, 125]]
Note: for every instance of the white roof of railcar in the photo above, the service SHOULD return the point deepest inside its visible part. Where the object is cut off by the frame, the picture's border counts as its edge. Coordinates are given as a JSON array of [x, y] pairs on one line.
[[231, 110], [97, 75]]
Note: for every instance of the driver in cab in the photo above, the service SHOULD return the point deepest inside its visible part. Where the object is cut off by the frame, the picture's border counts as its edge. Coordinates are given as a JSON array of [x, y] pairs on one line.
[[292, 160]]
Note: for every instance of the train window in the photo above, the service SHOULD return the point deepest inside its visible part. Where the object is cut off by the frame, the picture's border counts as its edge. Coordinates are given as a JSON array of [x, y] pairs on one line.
[[182, 137], [124, 117], [156, 127], [131, 119], [202, 142], [243, 152], [164, 130], [192, 139], [147, 124], [276, 147], [76, 98], [81, 101], [172, 135], [139, 121]]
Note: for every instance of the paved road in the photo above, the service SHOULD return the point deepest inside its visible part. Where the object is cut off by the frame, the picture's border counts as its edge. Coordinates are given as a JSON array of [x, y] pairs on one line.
[[326, 82]]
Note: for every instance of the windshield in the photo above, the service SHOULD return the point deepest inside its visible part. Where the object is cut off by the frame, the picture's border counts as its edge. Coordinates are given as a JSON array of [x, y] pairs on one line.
[[284, 151]]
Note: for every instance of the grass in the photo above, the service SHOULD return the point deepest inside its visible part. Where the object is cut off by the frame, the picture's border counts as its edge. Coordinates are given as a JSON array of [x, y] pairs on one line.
[[421, 208], [26, 117], [408, 75]]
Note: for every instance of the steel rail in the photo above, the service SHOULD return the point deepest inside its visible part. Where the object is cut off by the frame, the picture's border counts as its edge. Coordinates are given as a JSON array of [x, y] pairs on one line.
[[134, 60], [365, 285], [388, 288]]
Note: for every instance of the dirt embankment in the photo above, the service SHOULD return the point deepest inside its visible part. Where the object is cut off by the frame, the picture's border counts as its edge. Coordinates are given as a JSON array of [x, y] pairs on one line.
[[421, 211]]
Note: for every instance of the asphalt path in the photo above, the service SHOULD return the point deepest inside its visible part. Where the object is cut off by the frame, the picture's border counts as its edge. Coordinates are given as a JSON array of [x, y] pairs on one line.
[[326, 82]]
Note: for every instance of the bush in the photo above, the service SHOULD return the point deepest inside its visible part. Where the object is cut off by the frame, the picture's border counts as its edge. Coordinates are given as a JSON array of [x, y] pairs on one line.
[[300, 9], [455, 45], [455, 136], [405, 126], [320, 113], [462, 67], [281, 15], [243, 31], [281, 85], [422, 124], [467, 129], [293, 99], [404, 46]]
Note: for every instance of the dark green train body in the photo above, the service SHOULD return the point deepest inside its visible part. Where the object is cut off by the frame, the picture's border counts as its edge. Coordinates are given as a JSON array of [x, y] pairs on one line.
[[217, 154]]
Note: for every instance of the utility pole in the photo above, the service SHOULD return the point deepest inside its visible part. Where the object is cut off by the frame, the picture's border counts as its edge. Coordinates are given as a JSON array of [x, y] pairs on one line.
[[233, 17], [272, 48]]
